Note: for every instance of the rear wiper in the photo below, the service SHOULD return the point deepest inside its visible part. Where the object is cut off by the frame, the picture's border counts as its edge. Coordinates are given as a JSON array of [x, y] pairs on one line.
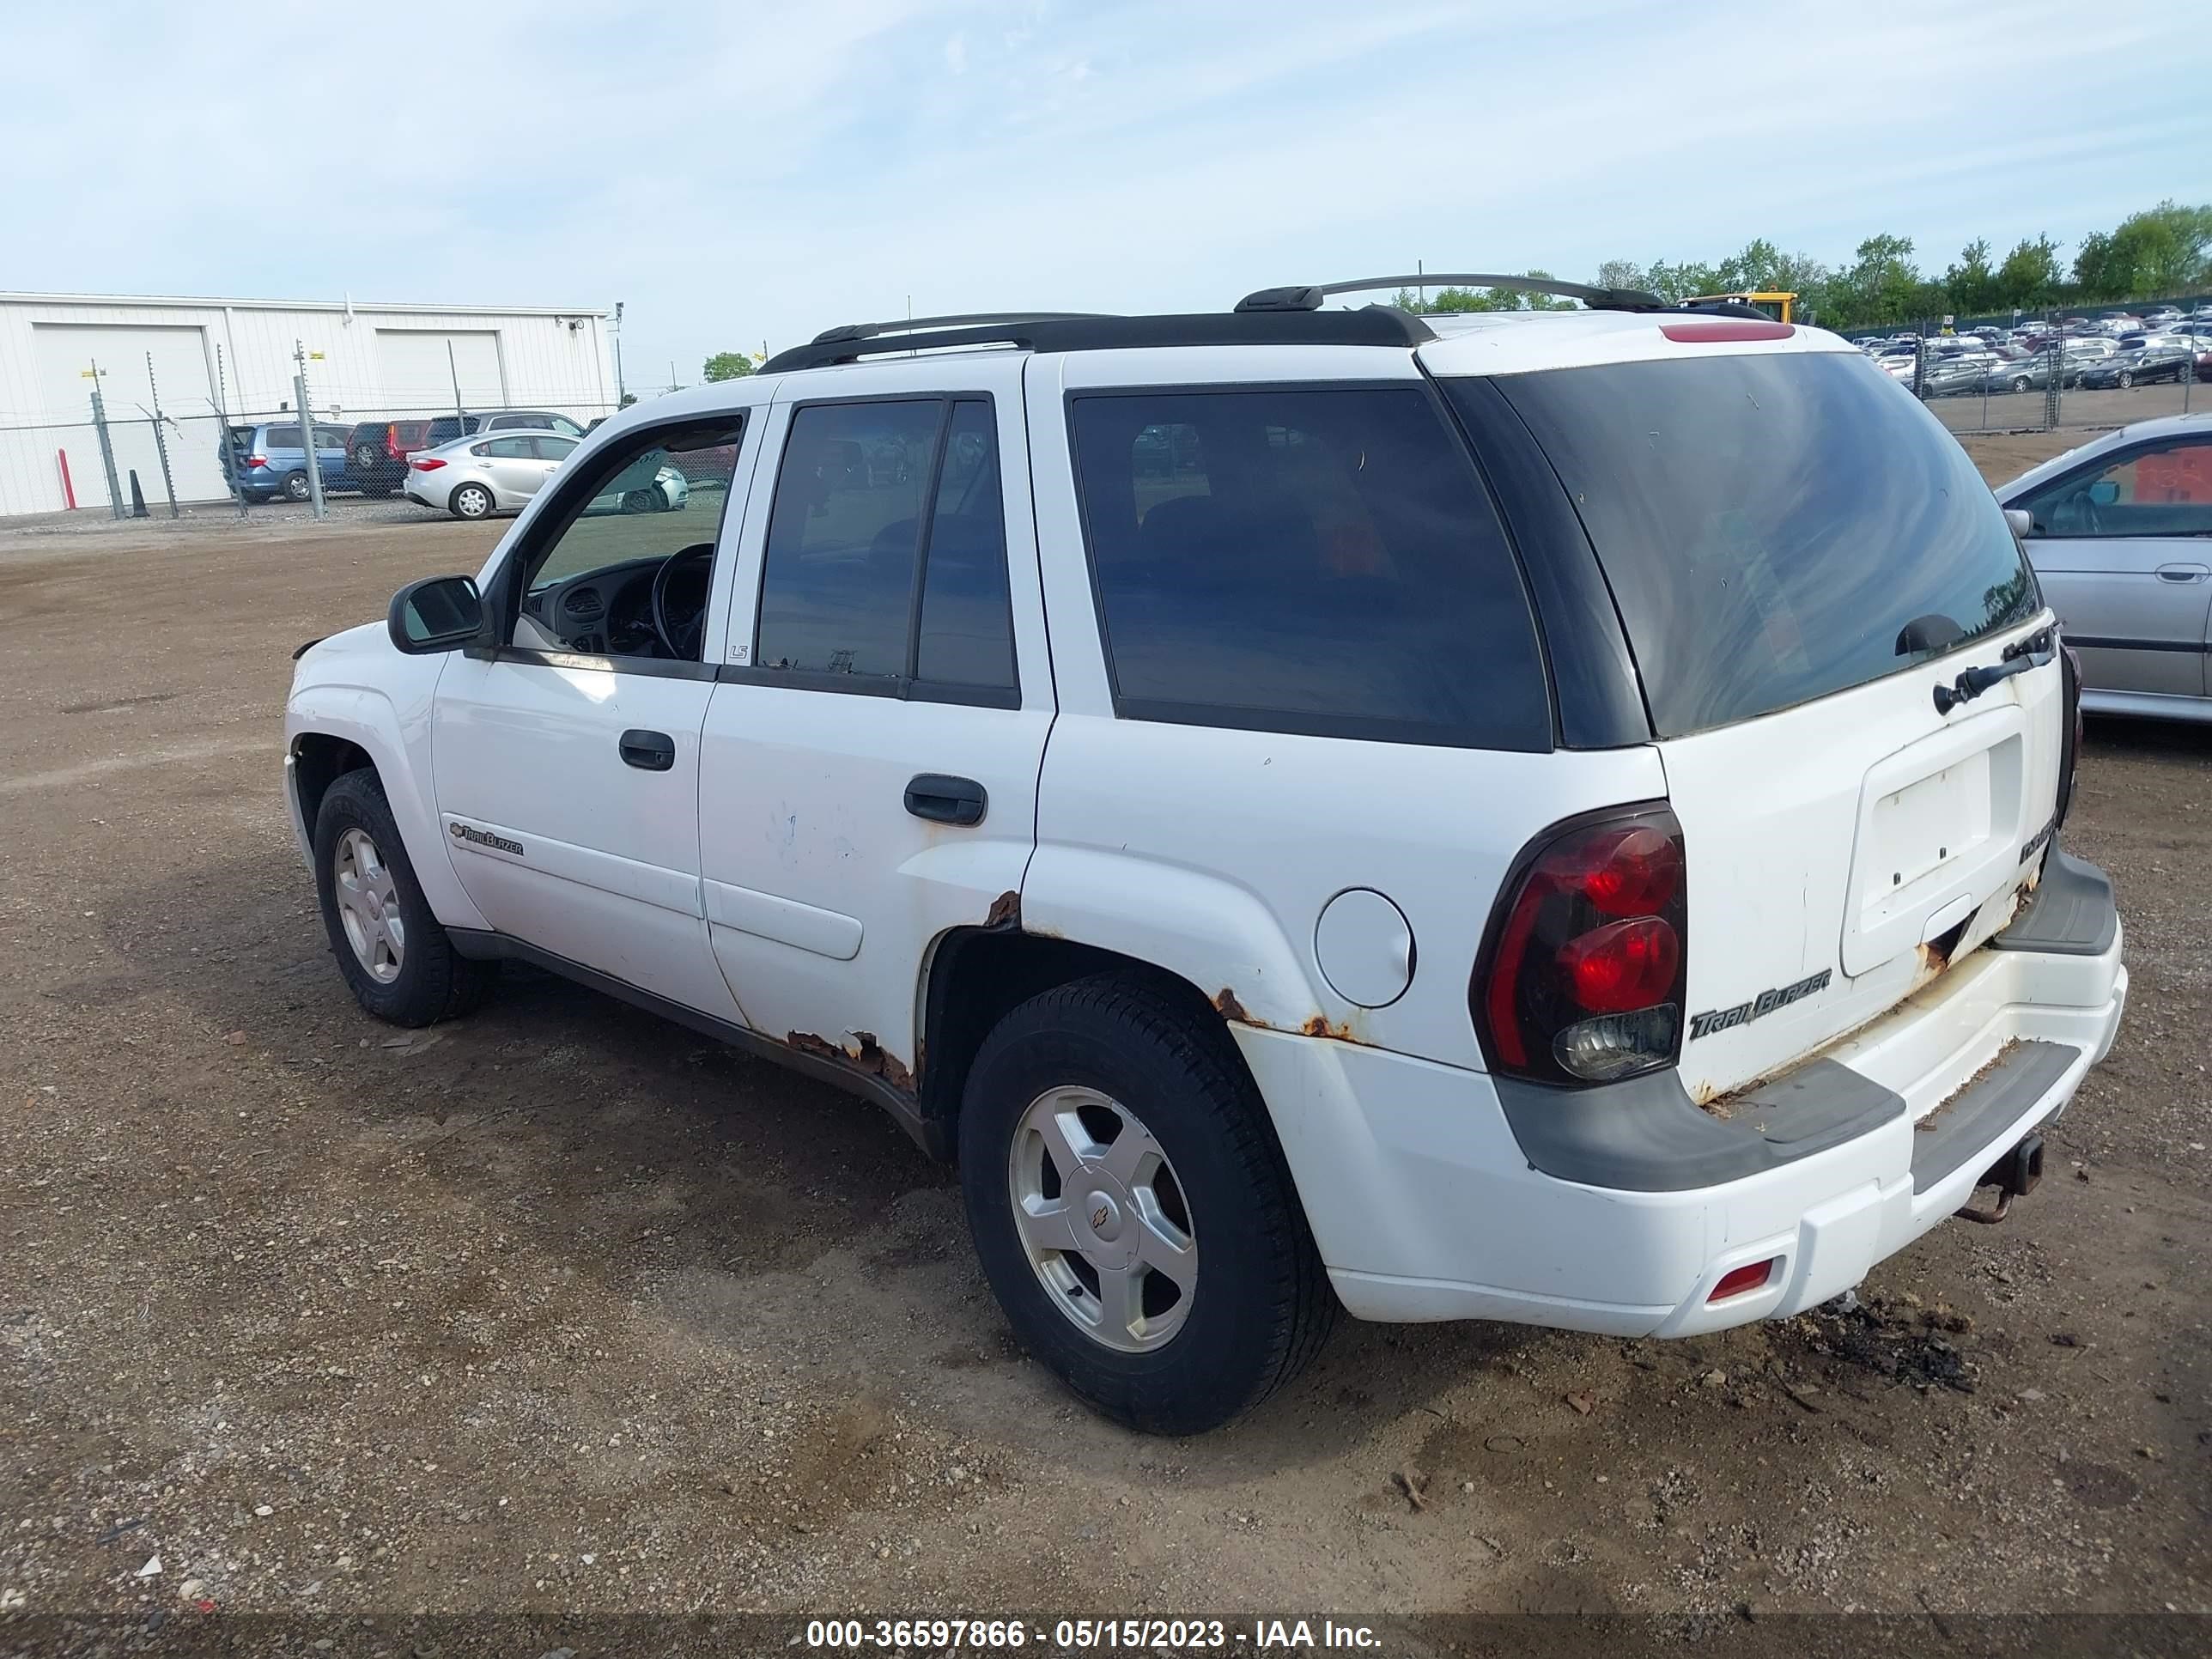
[[2035, 651]]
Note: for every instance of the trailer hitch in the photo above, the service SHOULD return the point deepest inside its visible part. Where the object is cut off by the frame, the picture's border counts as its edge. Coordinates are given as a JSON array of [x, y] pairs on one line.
[[2014, 1174]]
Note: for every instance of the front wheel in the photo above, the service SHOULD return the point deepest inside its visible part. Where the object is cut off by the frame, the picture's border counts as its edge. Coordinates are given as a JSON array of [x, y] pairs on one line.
[[2127, 380], [2021, 383], [472, 500], [396, 959], [643, 500], [1133, 1211]]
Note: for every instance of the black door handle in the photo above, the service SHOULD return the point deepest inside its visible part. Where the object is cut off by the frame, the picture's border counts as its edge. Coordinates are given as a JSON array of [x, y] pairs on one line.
[[648, 751], [945, 799]]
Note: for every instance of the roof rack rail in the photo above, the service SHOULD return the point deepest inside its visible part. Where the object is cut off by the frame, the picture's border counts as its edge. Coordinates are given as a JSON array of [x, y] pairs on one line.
[[1370, 325], [1310, 299], [971, 319], [1724, 308]]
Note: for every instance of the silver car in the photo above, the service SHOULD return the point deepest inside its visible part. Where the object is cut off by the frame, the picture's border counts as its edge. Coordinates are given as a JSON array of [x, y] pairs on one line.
[[474, 477], [2119, 532]]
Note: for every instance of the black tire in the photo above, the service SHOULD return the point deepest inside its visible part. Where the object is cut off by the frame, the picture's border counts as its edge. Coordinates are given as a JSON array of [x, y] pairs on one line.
[[434, 981], [472, 500], [643, 500], [2126, 379], [296, 487], [2021, 383], [1263, 1305]]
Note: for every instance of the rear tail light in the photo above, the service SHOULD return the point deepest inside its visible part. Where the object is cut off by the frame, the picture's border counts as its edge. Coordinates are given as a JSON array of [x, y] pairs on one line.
[[256, 460], [424, 463], [1581, 977]]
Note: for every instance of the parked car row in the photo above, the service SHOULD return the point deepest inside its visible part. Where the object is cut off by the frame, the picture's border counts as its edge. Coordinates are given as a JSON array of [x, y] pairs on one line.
[[1993, 360], [265, 459]]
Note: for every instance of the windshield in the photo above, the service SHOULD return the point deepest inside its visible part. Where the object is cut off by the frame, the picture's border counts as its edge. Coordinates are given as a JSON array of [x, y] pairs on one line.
[[1775, 527]]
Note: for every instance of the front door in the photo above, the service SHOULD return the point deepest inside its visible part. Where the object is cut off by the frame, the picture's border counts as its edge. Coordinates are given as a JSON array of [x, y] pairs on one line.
[[2123, 550], [566, 752], [869, 774]]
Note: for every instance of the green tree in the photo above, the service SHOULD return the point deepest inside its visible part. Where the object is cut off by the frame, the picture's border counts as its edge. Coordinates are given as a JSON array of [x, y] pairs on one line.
[[2028, 278], [1881, 285], [1970, 287], [1623, 273], [728, 365], [2163, 250]]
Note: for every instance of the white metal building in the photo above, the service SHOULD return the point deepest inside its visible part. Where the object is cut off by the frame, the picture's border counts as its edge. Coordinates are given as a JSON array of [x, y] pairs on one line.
[[209, 357]]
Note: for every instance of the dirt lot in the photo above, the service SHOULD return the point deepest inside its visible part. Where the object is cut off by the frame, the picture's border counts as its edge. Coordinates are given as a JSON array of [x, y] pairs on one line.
[[562, 1306]]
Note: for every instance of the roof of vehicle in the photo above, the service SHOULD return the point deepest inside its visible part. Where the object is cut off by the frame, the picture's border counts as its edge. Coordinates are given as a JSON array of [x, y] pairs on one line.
[[1620, 326], [2167, 426]]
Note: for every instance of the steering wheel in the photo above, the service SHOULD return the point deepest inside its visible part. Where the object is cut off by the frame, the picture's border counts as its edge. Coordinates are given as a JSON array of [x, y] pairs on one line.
[[681, 639]]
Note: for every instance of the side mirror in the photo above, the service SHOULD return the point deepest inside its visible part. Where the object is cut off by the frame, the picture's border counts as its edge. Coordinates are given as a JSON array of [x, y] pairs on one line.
[[439, 613], [2022, 520]]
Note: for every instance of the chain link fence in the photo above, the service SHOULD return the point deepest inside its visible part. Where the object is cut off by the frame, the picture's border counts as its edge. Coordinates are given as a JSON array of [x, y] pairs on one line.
[[136, 461], [2053, 370]]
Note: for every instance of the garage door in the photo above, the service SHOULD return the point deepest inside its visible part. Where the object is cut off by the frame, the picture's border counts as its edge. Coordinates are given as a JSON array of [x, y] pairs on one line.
[[65, 354], [416, 376]]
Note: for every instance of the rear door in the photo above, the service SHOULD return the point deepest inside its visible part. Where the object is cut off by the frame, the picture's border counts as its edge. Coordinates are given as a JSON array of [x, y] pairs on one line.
[[1800, 556], [868, 770], [512, 462], [2124, 548]]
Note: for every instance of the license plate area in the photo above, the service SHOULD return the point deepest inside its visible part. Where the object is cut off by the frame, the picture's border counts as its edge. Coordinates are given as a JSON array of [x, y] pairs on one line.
[[1939, 821]]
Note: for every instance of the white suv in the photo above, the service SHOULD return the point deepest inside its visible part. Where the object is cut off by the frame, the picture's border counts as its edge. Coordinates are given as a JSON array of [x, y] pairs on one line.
[[1546, 816]]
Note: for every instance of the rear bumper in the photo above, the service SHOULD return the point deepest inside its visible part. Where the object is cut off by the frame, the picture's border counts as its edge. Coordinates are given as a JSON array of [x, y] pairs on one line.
[[1426, 1205]]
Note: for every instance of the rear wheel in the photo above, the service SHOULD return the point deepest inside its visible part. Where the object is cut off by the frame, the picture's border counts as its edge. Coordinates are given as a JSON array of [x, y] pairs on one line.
[[396, 959], [1110, 1145], [295, 486], [472, 500]]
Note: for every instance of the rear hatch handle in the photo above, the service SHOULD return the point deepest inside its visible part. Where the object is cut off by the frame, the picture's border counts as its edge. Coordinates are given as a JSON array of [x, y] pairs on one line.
[[2036, 651]]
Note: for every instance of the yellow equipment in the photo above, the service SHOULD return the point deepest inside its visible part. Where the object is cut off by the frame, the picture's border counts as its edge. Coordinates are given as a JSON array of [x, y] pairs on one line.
[[1776, 306]]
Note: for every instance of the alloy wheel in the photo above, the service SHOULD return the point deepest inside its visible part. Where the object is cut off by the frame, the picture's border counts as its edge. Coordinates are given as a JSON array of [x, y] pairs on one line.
[[1102, 1219], [368, 906]]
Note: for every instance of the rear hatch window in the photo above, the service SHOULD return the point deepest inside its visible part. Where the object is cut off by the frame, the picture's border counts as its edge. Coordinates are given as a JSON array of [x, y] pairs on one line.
[[1775, 527]]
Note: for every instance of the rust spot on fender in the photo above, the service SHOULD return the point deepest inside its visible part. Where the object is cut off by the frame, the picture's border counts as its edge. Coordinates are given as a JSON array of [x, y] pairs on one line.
[[1005, 911], [1225, 1004], [869, 1056], [1321, 1026], [872, 1057]]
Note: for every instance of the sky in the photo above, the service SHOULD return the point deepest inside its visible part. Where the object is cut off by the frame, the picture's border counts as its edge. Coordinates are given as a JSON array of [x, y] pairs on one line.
[[743, 174]]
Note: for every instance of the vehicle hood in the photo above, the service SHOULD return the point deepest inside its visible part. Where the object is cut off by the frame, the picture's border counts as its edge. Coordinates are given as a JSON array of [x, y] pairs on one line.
[[344, 658]]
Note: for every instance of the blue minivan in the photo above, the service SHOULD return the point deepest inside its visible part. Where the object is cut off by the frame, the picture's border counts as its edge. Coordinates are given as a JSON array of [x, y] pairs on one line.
[[269, 459]]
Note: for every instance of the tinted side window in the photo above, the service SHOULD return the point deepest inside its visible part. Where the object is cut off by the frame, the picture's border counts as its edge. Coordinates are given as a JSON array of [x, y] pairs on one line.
[[283, 437], [966, 621], [837, 582], [508, 449], [1320, 559], [550, 448]]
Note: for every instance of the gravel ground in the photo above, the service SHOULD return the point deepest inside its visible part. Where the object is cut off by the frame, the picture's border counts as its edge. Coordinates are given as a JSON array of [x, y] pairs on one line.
[[562, 1307]]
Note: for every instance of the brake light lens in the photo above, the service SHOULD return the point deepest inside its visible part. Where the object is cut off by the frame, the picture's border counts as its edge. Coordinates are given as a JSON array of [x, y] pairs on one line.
[[424, 463], [1581, 978], [1738, 1280]]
